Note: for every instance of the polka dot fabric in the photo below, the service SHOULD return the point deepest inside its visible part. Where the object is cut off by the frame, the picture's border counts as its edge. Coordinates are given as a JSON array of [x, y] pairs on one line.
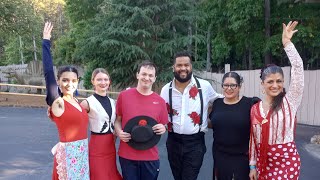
[[283, 163]]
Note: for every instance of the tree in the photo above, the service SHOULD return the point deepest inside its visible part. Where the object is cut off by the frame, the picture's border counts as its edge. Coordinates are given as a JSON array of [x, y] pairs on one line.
[[238, 34], [24, 19], [17, 18], [128, 32], [81, 14]]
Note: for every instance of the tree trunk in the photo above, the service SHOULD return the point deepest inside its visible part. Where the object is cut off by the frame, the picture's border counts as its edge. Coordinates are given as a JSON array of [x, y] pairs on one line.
[[195, 44], [250, 57], [174, 35], [34, 48], [244, 60], [60, 19], [267, 57], [190, 37], [20, 49], [208, 65]]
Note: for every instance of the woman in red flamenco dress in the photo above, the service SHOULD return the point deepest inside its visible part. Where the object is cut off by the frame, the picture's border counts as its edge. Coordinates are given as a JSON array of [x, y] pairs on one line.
[[273, 152], [71, 153]]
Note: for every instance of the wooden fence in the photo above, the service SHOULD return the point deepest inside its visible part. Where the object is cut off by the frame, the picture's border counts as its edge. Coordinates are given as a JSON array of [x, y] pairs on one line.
[[87, 92], [309, 110]]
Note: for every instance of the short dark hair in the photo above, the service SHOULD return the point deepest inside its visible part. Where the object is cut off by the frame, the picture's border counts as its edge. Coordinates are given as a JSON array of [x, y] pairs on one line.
[[67, 69], [233, 75], [182, 54], [147, 63]]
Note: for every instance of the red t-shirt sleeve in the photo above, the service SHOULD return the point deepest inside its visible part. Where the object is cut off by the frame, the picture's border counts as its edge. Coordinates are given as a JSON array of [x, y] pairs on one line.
[[164, 113], [119, 105]]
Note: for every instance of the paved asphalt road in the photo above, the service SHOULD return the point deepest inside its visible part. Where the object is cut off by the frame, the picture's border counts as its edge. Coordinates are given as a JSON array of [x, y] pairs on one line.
[[27, 136]]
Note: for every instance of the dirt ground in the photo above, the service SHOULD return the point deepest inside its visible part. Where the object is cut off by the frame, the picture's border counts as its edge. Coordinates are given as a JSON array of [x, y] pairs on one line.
[[22, 101]]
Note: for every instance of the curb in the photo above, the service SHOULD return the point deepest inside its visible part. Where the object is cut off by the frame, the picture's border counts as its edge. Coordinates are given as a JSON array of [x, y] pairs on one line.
[[24, 106]]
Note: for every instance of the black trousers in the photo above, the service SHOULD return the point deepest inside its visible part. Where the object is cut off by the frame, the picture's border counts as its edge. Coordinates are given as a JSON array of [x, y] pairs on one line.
[[185, 155], [230, 166]]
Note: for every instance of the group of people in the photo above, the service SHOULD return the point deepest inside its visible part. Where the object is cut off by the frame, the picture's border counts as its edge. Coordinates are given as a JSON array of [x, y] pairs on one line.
[[252, 138]]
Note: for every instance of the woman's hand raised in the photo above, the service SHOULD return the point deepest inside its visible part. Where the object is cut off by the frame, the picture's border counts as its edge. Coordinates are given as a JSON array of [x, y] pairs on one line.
[[47, 30], [288, 31]]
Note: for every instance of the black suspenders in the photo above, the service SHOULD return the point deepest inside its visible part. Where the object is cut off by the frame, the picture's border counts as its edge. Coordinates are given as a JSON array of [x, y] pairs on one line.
[[201, 102]]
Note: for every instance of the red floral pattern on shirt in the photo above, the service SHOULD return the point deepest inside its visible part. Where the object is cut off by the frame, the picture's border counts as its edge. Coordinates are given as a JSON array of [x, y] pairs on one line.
[[174, 112], [193, 92], [195, 117]]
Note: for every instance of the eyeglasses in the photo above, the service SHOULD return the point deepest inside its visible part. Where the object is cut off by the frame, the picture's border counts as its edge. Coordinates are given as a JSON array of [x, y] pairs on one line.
[[232, 86]]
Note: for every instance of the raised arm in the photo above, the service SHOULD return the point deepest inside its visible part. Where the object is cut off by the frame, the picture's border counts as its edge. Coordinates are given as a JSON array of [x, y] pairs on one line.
[[296, 86], [51, 84]]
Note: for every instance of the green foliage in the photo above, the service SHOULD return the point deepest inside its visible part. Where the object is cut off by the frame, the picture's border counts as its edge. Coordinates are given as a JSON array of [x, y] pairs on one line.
[[16, 18], [25, 18], [133, 31], [238, 35], [118, 34], [81, 14], [12, 55]]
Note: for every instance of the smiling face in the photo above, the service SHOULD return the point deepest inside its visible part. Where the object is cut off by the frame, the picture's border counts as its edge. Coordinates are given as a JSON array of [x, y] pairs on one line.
[[231, 88], [273, 84], [182, 69], [68, 82], [146, 77], [101, 82]]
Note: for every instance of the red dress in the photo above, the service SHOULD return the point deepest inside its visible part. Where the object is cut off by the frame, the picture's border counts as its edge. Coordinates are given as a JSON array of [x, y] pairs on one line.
[[72, 126], [272, 146], [274, 161]]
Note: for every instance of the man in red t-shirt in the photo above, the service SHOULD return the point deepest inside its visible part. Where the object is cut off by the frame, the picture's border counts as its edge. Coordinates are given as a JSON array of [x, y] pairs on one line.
[[140, 101]]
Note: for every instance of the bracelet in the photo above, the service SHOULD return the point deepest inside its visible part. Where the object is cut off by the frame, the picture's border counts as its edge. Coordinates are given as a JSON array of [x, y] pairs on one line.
[[252, 167]]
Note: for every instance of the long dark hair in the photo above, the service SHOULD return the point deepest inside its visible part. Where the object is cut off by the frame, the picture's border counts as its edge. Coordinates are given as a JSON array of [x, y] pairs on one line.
[[266, 71]]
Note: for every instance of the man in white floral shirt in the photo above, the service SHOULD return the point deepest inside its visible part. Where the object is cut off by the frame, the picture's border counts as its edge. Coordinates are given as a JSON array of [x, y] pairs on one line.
[[187, 99]]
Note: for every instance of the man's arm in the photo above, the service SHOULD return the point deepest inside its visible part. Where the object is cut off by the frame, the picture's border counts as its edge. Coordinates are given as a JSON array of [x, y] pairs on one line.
[[212, 94], [125, 137], [160, 128]]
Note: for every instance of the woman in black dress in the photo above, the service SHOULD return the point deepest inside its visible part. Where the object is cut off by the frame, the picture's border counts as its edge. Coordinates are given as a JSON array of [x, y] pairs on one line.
[[230, 121]]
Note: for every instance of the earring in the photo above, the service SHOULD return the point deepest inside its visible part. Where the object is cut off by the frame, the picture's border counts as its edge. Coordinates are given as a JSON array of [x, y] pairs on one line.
[[76, 92], [263, 91]]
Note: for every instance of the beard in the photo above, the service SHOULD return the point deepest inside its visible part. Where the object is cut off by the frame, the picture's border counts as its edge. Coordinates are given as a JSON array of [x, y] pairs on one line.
[[180, 79]]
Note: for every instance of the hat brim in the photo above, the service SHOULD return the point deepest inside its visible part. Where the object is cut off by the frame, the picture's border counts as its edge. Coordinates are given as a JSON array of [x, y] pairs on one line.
[[142, 145]]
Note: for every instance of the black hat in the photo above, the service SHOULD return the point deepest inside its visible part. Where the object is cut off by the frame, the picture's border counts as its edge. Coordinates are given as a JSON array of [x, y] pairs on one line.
[[142, 135]]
